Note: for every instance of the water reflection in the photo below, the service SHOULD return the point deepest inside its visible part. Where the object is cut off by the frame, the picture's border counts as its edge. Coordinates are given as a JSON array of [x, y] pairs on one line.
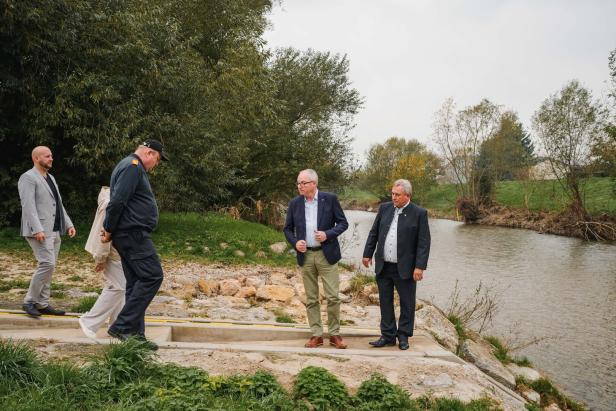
[[551, 286]]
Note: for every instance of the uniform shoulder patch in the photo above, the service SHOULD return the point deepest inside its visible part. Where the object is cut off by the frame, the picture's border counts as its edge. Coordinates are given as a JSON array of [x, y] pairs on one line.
[[135, 162]]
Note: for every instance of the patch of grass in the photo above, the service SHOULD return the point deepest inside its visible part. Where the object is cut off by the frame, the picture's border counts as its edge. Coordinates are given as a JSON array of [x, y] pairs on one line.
[[282, 316], [84, 305], [58, 294], [459, 327], [501, 351], [544, 195], [550, 394], [359, 281], [6, 285], [185, 236], [18, 362], [358, 195], [58, 286], [75, 278]]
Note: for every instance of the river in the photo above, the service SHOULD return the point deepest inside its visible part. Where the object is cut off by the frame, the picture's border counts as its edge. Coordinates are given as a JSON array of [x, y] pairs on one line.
[[563, 289]]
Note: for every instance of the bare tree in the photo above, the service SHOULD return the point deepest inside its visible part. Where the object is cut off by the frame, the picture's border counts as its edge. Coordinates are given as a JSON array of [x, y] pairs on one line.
[[459, 137], [566, 124]]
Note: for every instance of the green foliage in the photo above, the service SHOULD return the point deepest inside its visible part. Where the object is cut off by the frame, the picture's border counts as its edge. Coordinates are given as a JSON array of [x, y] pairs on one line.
[[321, 389], [532, 407], [377, 393], [399, 158], [499, 350], [550, 394], [18, 362], [93, 79], [85, 304]]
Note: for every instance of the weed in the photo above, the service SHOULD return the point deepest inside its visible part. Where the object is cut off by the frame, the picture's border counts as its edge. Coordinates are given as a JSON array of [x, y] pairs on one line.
[[476, 310], [501, 351], [321, 389], [84, 305], [282, 316], [377, 393]]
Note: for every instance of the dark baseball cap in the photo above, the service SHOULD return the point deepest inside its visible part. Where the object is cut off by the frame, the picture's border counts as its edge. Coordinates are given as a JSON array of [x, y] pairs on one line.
[[156, 145]]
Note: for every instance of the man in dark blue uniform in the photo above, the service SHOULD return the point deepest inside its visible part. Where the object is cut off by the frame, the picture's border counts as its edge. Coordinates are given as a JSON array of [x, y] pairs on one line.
[[131, 216]]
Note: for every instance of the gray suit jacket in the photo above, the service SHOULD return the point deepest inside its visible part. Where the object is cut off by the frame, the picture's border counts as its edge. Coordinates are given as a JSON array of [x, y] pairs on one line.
[[38, 205]]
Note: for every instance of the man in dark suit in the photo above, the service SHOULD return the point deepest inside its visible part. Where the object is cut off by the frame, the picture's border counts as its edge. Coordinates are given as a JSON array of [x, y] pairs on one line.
[[401, 237], [314, 221]]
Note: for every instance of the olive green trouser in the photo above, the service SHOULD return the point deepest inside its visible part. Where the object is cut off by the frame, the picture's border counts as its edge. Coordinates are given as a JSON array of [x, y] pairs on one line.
[[315, 266]]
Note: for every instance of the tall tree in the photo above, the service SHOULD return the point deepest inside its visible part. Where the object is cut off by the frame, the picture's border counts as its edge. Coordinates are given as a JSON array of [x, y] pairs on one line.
[[460, 136], [399, 158], [567, 123]]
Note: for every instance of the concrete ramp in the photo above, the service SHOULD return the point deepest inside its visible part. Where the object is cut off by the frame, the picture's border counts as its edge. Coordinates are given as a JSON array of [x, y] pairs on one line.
[[200, 334]]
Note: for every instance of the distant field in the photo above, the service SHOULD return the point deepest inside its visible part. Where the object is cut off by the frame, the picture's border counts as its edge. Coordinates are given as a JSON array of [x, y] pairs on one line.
[[542, 196]]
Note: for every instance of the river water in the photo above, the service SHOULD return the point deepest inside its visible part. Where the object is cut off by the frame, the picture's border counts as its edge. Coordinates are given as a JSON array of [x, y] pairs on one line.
[[548, 286]]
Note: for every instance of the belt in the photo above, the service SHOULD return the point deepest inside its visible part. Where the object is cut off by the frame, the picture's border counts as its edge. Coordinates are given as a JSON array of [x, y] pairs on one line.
[[313, 248]]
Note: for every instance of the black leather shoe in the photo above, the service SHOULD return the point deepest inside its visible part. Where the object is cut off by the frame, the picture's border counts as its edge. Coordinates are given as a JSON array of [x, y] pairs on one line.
[[49, 310], [120, 336], [403, 345], [31, 310], [382, 342]]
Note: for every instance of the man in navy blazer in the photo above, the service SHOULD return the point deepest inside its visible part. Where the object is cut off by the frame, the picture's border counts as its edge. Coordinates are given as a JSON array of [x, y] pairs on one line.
[[401, 237], [314, 221]]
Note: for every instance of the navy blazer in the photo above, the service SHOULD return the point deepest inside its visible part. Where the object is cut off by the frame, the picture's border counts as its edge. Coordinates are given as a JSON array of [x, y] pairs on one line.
[[330, 219], [413, 238]]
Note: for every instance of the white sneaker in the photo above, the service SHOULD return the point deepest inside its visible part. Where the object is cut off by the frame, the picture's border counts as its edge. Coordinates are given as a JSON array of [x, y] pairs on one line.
[[88, 332]]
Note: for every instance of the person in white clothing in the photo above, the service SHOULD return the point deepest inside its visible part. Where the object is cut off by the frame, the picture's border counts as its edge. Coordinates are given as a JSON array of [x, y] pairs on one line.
[[110, 302]]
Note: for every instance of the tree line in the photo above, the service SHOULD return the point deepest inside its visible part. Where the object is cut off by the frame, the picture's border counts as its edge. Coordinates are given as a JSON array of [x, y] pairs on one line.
[[93, 79], [477, 146]]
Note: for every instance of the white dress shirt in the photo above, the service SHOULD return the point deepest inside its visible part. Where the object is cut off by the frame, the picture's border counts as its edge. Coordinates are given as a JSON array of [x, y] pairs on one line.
[[390, 248]]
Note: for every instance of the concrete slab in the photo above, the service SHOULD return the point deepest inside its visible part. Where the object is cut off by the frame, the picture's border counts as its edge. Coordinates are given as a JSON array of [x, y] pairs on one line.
[[186, 333]]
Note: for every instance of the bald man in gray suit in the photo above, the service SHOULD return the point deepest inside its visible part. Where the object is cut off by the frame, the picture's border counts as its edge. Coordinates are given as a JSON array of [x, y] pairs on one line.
[[43, 219]]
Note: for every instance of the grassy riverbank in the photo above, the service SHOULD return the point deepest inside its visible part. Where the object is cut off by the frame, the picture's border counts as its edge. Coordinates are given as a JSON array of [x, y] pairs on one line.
[[546, 196], [207, 237], [128, 377]]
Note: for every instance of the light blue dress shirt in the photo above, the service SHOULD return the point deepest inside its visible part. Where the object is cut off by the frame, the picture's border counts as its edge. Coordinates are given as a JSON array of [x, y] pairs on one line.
[[312, 212]]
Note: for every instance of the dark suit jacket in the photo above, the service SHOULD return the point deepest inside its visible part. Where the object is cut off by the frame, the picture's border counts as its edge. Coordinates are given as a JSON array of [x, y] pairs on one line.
[[330, 219], [413, 238]]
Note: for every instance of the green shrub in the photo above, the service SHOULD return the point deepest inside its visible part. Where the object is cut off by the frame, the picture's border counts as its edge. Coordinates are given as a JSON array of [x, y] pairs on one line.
[[377, 393], [85, 304], [459, 327], [499, 350], [549, 394], [453, 404], [321, 389]]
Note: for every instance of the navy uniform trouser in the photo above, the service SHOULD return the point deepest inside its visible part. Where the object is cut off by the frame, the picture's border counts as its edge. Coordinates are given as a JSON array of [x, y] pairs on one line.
[[386, 280], [144, 275]]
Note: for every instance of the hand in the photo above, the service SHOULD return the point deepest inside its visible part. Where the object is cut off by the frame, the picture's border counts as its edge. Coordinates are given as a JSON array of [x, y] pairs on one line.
[[72, 232], [418, 274], [100, 266], [40, 236], [366, 261], [320, 236], [105, 236], [301, 246]]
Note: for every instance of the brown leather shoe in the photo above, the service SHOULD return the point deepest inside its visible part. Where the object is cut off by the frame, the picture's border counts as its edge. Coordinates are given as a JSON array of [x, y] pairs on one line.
[[337, 342], [314, 342]]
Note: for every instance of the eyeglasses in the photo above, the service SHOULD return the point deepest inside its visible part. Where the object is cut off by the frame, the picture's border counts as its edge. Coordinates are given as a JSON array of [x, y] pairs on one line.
[[304, 183]]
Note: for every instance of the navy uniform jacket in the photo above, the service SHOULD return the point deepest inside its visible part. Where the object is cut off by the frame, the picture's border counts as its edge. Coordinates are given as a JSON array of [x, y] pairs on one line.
[[330, 219], [413, 238], [132, 206]]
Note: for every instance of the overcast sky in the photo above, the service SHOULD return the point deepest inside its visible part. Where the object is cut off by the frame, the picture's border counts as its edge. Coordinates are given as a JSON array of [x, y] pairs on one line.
[[406, 57]]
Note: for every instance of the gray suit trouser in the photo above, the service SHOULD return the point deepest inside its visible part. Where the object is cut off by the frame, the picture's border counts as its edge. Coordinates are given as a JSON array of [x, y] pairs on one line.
[[46, 253]]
